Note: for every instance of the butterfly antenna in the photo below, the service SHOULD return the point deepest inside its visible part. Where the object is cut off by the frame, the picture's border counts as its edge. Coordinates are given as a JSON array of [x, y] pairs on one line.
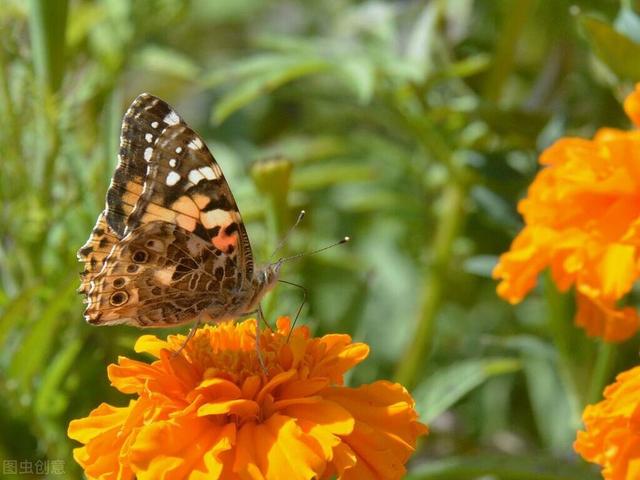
[[304, 254], [288, 234]]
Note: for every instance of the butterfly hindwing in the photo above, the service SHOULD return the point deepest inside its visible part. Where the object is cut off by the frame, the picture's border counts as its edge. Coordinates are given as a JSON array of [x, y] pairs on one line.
[[161, 274]]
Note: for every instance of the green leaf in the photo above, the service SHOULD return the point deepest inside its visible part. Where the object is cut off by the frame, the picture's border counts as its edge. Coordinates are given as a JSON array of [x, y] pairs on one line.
[[167, 61], [554, 411], [448, 385], [38, 342], [361, 77], [251, 89], [504, 467], [50, 401], [315, 177], [617, 51]]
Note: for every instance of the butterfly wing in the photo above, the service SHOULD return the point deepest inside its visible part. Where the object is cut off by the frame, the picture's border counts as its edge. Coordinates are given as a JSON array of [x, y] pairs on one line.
[[182, 183], [165, 175], [95, 251], [161, 275]]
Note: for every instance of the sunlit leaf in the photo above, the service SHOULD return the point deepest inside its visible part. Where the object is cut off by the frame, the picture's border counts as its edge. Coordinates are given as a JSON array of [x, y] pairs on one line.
[[249, 90], [448, 385], [613, 48]]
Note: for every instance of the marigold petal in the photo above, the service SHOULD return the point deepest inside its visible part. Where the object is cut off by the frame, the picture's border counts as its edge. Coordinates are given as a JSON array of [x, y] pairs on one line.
[[612, 437], [386, 425], [601, 319], [101, 419], [331, 415], [176, 448], [242, 408], [130, 376], [219, 388], [618, 270], [150, 344], [632, 105], [277, 448], [303, 388]]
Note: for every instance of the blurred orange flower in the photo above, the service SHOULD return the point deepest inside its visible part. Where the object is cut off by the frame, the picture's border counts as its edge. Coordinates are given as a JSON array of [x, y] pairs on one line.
[[612, 436], [582, 216], [213, 412]]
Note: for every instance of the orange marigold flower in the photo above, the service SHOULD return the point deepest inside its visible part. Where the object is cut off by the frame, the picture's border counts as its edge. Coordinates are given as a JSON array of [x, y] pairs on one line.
[[582, 216], [612, 429], [212, 411]]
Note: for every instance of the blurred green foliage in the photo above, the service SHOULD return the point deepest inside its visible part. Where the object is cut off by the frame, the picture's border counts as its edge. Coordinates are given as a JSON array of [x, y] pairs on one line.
[[412, 126]]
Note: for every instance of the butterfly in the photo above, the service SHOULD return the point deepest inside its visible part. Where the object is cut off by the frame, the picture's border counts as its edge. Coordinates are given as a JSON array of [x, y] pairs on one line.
[[170, 246]]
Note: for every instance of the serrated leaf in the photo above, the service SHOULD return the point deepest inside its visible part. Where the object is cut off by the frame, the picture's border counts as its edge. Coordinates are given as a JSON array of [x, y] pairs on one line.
[[615, 50], [448, 385]]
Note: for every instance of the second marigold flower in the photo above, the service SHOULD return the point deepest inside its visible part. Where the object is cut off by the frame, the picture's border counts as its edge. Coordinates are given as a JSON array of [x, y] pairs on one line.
[[582, 215], [213, 412]]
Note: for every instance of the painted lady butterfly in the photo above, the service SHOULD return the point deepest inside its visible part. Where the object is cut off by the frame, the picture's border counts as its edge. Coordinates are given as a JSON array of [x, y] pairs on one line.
[[170, 246]]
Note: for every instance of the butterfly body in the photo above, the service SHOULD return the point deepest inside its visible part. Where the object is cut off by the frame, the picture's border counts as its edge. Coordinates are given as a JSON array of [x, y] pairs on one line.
[[170, 246]]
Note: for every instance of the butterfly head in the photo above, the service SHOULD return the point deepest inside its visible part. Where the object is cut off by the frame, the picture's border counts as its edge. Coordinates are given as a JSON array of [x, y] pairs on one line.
[[268, 276]]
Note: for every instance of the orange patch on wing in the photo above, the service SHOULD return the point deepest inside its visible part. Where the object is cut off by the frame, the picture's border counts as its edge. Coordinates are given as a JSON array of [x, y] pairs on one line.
[[134, 187], [186, 222], [185, 205], [161, 212], [222, 241], [201, 200]]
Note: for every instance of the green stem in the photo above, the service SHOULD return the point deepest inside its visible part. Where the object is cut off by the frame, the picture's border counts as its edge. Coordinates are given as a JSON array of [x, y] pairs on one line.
[[517, 14], [561, 326], [48, 24], [273, 180], [601, 371], [451, 219]]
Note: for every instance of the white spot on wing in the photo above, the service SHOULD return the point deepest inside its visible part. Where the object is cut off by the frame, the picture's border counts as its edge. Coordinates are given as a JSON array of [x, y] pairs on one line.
[[147, 153], [195, 176], [173, 178], [164, 275], [173, 162], [148, 137], [154, 124], [179, 150], [217, 217], [171, 118], [208, 173], [195, 144]]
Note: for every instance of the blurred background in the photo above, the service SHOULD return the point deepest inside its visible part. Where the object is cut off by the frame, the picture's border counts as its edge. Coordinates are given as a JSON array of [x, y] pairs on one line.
[[411, 126]]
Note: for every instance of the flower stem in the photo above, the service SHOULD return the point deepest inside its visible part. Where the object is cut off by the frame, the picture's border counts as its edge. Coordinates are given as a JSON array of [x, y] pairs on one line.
[[560, 325], [601, 371], [452, 215]]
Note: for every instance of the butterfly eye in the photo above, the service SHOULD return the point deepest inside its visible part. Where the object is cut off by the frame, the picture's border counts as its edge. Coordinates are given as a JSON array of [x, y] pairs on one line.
[[140, 256], [119, 298], [119, 282], [132, 268]]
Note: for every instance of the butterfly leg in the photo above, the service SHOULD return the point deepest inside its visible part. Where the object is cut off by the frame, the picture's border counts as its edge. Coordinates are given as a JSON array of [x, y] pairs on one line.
[[258, 351], [304, 300], [190, 335]]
